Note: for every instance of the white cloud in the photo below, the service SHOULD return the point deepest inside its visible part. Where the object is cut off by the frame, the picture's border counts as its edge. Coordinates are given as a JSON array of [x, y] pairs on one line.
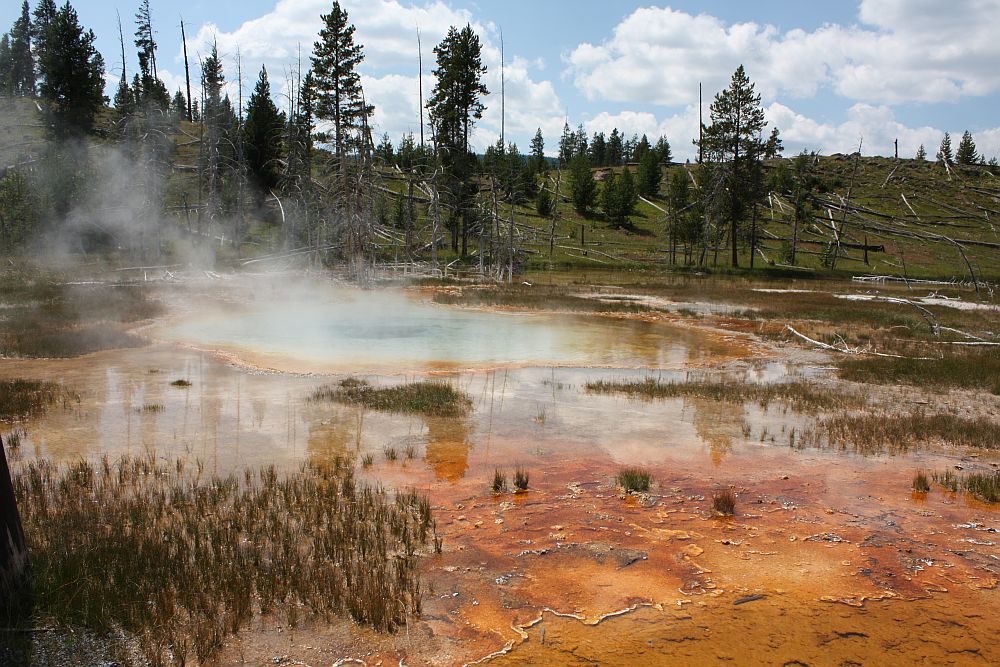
[[909, 51]]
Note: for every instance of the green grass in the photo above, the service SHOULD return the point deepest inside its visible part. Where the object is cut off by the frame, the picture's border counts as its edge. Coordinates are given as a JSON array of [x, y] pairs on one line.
[[182, 383], [634, 479], [426, 397], [800, 395], [167, 560]]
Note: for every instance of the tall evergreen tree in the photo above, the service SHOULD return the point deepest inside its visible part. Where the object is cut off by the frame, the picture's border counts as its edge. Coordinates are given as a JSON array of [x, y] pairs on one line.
[[944, 153], [580, 141], [455, 106], [921, 153], [582, 184], [619, 196], [663, 150], [616, 148], [773, 147], [22, 63], [966, 153], [151, 93], [650, 175], [641, 148], [337, 84], [539, 165], [732, 144], [598, 150], [214, 118], [567, 145], [262, 135], [6, 85], [72, 74], [44, 15]]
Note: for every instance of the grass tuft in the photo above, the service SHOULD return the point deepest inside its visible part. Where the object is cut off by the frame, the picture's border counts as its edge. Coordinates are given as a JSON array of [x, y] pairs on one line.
[[428, 398], [724, 502], [499, 481], [920, 482], [876, 433], [634, 479], [181, 383], [521, 479]]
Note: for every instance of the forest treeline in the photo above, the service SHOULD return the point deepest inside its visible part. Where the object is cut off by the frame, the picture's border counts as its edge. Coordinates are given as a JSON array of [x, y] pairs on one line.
[[311, 178]]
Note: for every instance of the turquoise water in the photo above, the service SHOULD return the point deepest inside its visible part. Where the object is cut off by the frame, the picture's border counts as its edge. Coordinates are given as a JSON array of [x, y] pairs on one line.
[[335, 329]]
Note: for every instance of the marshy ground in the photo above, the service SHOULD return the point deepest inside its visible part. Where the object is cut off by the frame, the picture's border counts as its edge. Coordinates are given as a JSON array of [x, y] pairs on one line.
[[701, 484]]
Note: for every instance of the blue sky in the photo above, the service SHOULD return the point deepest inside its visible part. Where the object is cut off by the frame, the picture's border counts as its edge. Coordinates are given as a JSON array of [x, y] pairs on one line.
[[831, 73]]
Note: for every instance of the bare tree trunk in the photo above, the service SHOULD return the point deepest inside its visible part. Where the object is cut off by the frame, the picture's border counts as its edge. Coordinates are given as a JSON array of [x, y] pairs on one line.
[[15, 602], [187, 73]]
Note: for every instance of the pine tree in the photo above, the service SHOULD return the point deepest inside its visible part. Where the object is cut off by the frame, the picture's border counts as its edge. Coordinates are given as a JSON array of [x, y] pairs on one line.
[[663, 150], [179, 104], [22, 64], [45, 14], [944, 153], [6, 85], [921, 153], [732, 144], [455, 106], [337, 84], [641, 148], [966, 153], [619, 196], [262, 136], [598, 150], [151, 93], [213, 116], [773, 147], [539, 164], [580, 141], [616, 149], [567, 145], [582, 184], [650, 174], [72, 74]]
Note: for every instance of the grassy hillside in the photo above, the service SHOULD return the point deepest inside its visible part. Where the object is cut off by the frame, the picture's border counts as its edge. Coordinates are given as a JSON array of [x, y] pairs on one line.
[[917, 219]]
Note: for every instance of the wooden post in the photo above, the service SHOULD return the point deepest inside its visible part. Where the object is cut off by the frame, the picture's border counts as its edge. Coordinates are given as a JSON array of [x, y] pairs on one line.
[[583, 240], [14, 567]]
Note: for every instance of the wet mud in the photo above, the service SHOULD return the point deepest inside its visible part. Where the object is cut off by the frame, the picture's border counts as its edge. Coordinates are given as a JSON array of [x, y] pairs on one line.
[[830, 559]]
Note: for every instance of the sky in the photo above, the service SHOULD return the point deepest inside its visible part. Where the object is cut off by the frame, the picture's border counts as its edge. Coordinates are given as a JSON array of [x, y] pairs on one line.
[[832, 74]]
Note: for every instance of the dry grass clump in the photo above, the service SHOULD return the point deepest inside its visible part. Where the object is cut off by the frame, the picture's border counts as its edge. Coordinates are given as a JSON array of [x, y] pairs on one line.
[[876, 433], [921, 483], [521, 479], [21, 398], [634, 479], [428, 398], [724, 502], [499, 481], [166, 562], [184, 384], [982, 485], [972, 369], [799, 395]]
